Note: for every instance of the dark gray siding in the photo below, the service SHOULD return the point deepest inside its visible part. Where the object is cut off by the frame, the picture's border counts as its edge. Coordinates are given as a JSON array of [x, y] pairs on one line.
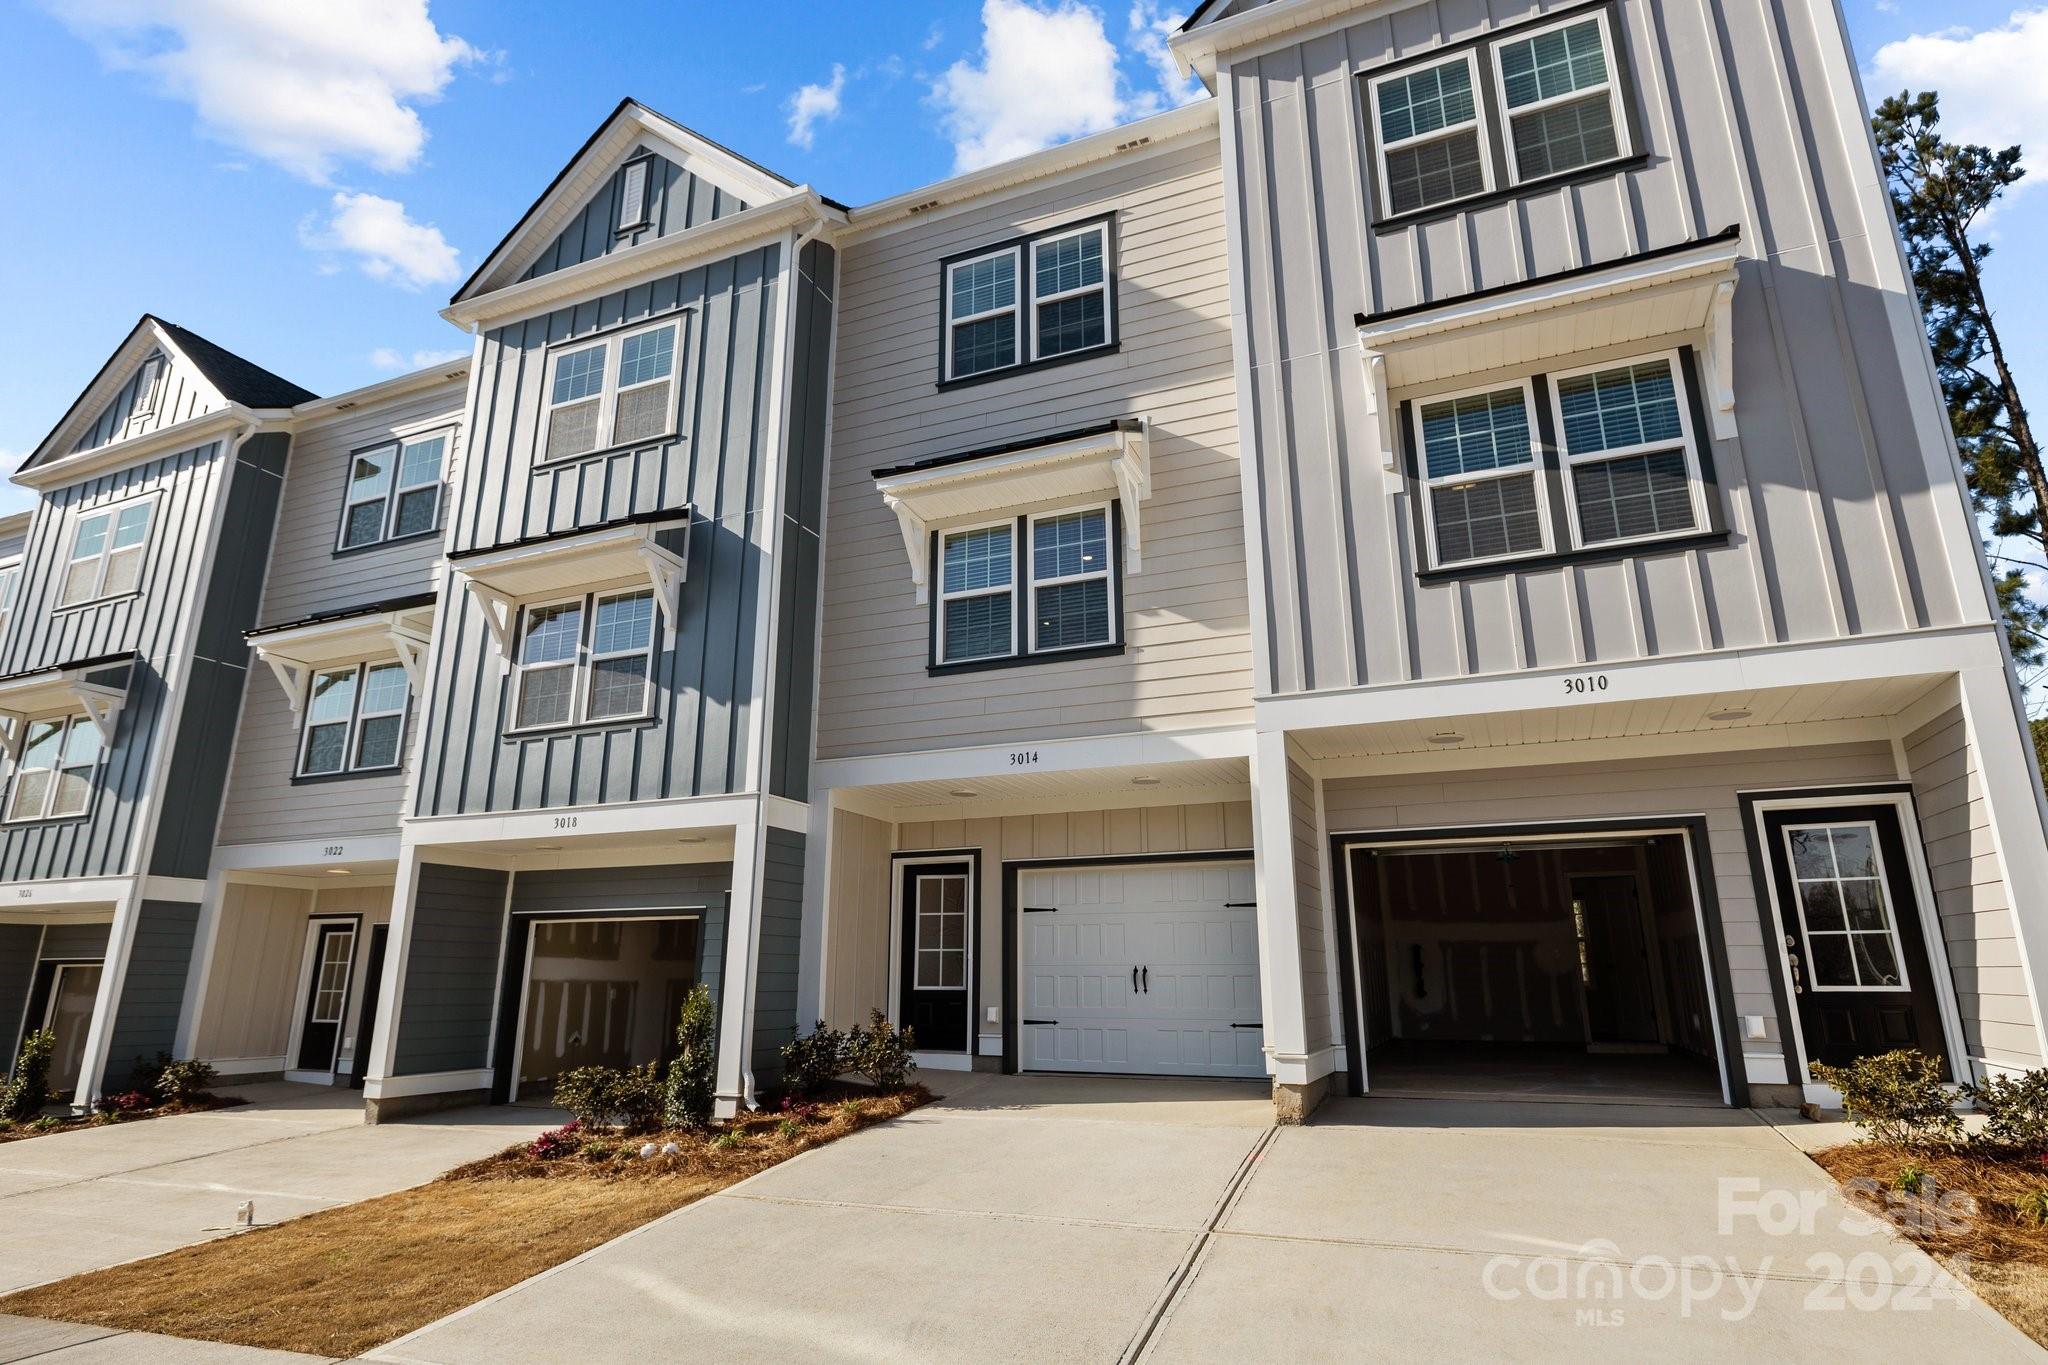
[[775, 969], [703, 887], [803, 507], [220, 664], [75, 942], [677, 200], [183, 396], [451, 973], [146, 1019], [148, 623], [17, 975], [705, 671]]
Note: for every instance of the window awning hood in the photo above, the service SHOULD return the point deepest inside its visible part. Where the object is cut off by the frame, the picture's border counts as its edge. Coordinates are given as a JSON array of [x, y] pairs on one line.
[[294, 650], [1658, 294], [1110, 460], [98, 687], [650, 546]]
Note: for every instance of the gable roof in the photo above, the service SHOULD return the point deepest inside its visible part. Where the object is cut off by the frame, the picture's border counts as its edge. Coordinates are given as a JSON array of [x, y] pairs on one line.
[[628, 125], [236, 380]]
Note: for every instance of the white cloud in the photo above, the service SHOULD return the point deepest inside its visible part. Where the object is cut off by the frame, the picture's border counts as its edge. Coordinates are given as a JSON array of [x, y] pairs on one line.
[[1989, 80], [390, 358], [1149, 31], [304, 84], [387, 245], [1044, 75], [812, 103]]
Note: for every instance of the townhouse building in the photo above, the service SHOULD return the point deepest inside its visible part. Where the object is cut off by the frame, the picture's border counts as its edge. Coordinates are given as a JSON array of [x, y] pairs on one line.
[[1440, 570]]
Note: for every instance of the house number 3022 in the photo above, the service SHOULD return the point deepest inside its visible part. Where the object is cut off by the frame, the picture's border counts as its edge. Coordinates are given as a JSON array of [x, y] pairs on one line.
[[1585, 684]]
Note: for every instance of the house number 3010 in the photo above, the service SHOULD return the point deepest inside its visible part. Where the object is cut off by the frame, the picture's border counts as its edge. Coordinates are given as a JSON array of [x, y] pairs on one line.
[[1024, 758], [1585, 684]]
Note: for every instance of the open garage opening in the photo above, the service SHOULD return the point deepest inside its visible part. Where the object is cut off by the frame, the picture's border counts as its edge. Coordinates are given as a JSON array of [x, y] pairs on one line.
[[1563, 967]]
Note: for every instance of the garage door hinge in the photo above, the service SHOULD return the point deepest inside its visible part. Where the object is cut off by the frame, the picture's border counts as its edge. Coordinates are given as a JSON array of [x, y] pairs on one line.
[[1240, 905], [1041, 909], [1247, 1025], [1049, 1023]]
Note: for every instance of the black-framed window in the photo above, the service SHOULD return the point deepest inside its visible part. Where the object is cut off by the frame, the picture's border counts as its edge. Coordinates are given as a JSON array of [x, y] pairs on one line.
[[1036, 300], [1537, 101], [354, 719], [584, 660], [1040, 585], [1586, 459], [394, 491]]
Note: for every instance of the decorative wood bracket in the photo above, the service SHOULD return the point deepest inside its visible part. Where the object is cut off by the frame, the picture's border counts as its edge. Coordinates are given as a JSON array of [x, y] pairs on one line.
[[665, 572], [915, 538], [1133, 473], [290, 676], [1720, 361], [500, 612], [411, 648]]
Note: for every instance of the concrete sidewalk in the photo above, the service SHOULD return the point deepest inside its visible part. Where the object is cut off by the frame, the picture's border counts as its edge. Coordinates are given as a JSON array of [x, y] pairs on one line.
[[1086, 1219], [77, 1201], [66, 1343]]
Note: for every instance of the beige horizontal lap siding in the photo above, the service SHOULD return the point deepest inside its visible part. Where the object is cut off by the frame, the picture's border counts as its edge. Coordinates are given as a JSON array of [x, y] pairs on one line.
[[1700, 784], [306, 576], [259, 949], [1187, 661], [1306, 853], [1971, 895], [264, 804]]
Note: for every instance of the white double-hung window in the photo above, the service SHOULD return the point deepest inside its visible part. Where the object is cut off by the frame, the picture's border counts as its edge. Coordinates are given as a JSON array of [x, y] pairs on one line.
[[1482, 483], [1070, 292], [1070, 581], [60, 758], [355, 719], [1631, 462], [1066, 577], [615, 391], [107, 547], [977, 593], [585, 660], [1560, 98], [1431, 131], [983, 320], [394, 491]]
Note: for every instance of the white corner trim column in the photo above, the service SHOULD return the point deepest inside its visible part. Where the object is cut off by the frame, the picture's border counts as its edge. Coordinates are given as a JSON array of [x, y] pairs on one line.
[[99, 1038], [397, 951], [2009, 772], [1286, 1017], [811, 948], [199, 974], [742, 947]]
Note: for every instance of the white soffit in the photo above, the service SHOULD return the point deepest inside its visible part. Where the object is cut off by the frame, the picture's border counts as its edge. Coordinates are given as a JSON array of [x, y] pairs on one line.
[[64, 689], [1115, 462], [1544, 322], [656, 551], [296, 654]]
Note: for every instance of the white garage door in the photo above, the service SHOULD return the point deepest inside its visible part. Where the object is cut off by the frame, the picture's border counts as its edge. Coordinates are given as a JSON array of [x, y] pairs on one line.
[[1148, 969]]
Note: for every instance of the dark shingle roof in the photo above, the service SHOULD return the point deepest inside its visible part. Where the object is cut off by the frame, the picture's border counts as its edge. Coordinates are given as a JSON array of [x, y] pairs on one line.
[[239, 381]]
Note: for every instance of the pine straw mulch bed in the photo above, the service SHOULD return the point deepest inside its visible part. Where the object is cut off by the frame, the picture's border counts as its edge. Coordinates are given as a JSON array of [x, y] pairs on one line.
[[66, 1123], [344, 1281], [1967, 1215]]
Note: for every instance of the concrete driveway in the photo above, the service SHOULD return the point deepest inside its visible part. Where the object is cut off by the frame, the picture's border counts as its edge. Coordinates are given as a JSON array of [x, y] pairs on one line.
[[1097, 1220], [78, 1201]]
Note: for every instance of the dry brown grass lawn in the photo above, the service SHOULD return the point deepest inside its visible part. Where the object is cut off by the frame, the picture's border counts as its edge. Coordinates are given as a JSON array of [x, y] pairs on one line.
[[1983, 1236], [343, 1281]]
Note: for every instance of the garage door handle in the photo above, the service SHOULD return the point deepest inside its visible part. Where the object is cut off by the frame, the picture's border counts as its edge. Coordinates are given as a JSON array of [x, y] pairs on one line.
[[1240, 905], [1148, 980], [1134, 981]]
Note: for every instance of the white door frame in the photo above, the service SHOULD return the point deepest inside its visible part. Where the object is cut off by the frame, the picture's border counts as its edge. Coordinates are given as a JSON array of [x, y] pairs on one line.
[[1923, 892], [314, 924], [1483, 836], [58, 968], [898, 862]]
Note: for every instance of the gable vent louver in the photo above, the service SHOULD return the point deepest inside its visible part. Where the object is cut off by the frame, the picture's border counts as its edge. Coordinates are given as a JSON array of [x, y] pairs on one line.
[[633, 195]]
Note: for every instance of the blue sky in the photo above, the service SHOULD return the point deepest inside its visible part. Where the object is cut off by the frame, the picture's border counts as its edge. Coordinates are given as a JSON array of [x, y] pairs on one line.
[[304, 183]]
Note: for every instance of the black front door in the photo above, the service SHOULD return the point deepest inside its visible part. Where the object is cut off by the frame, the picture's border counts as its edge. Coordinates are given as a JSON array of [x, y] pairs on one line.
[[936, 921], [373, 991], [334, 953], [1861, 977]]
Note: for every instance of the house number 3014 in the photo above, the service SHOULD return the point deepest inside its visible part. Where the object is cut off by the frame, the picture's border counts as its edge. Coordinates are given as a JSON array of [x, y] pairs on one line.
[[1024, 758], [1585, 684]]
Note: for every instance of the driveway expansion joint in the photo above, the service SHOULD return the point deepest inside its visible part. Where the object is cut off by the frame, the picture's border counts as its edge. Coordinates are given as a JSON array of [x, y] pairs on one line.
[[1184, 1274]]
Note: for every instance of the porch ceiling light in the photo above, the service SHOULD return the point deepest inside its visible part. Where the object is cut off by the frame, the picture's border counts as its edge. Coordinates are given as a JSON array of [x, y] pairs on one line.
[[337, 871], [963, 793], [1144, 782], [1447, 738], [690, 839], [1732, 713]]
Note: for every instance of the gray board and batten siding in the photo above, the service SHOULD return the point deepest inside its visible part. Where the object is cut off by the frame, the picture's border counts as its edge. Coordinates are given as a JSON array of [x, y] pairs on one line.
[[776, 964], [152, 987], [1840, 495], [443, 1020], [677, 200], [707, 672]]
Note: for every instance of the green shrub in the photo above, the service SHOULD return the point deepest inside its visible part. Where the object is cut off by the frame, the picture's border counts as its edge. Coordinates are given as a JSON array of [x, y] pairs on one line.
[[728, 1140], [813, 1061], [692, 1088], [1897, 1097], [2015, 1109], [48, 1123], [608, 1097], [790, 1128], [1911, 1179], [24, 1097], [186, 1082], [881, 1052], [2032, 1208]]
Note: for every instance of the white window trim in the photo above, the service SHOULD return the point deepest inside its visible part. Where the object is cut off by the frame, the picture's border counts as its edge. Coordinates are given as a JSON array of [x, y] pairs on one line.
[[1568, 463], [393, 490], [149, 395], [1536, 466], [1611, 87], [10, 589], [580, 664], [112, 511], [1381, 146], [1101, 231], [70, 721], [1106, 573], [593, 656], [1018, 296], [1884, 891], [646, 219], [1012, 590], [917, 916], [352, 727], [608, 392]]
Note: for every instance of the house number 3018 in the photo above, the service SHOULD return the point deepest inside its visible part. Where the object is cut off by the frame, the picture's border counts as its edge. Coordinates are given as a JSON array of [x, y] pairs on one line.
[[1585, 684]]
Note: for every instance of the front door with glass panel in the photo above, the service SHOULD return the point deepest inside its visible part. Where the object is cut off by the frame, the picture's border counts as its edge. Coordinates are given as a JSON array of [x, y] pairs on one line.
[[932, 992], [334, 954], [74, 988], [1862, 979]]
